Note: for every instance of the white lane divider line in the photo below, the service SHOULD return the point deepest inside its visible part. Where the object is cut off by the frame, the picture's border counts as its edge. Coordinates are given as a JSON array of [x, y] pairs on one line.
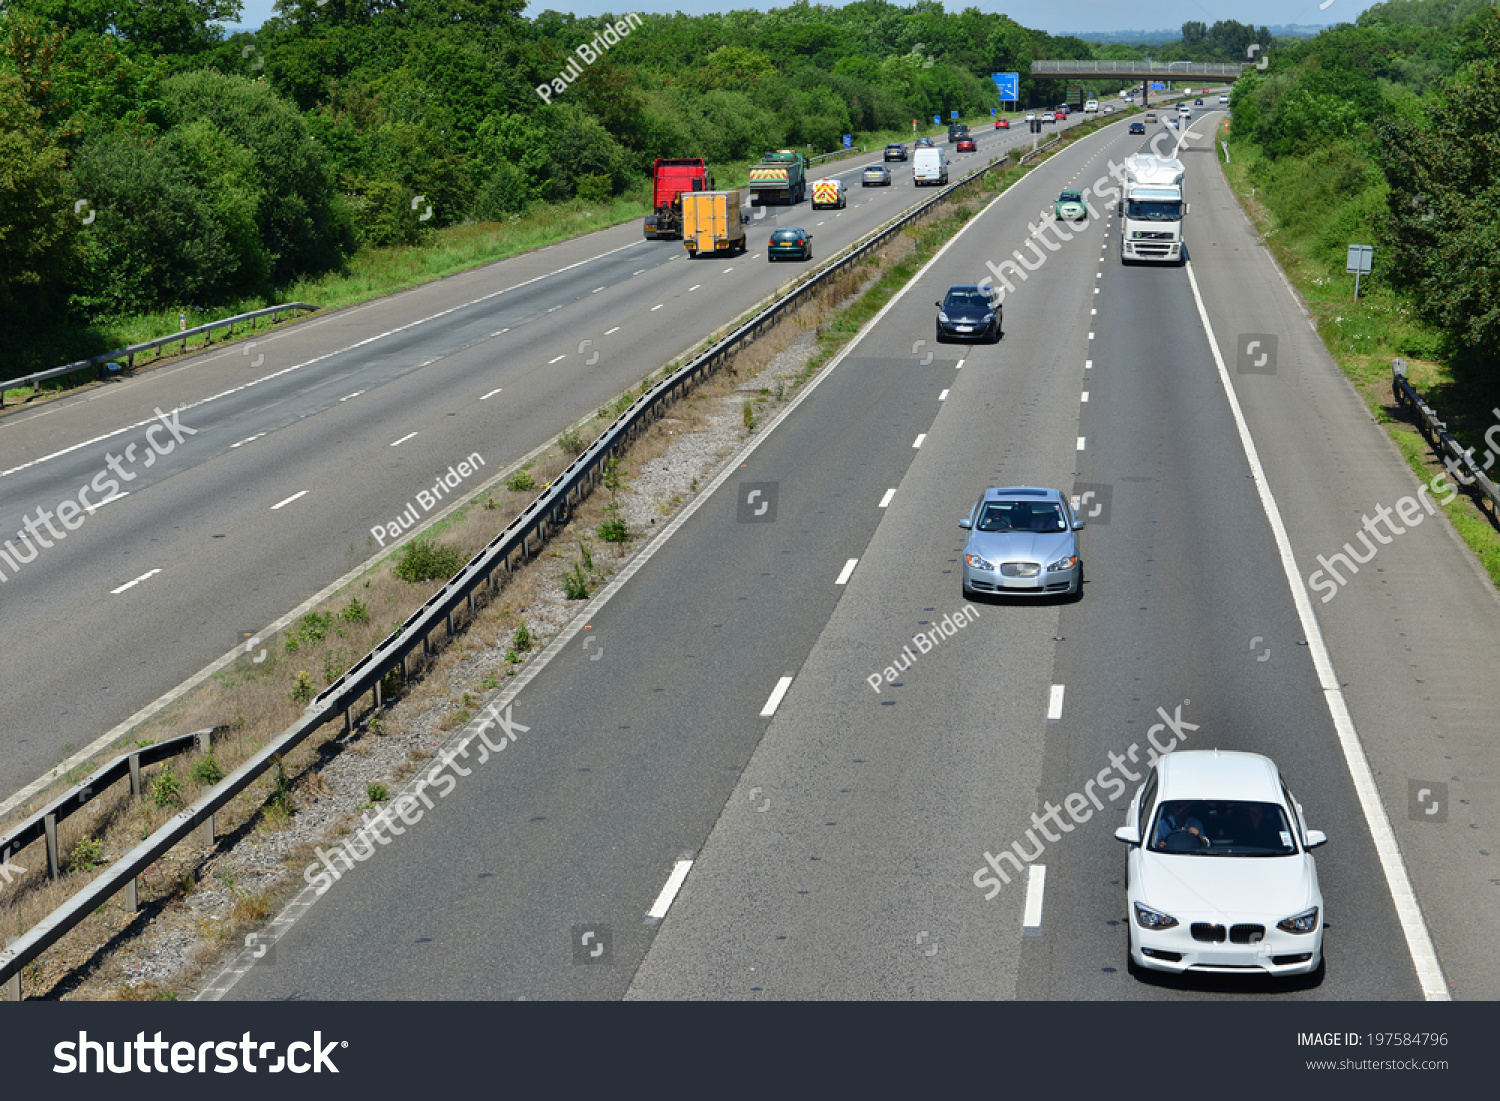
[[656, 307], [1085, 395], [886, 500], [352, 396], [403, 439], [843, 577], [100, 504], [637, 271], [775, 701], [243, 442], [616, 329], [727, 271], [1096, 290], [1091, 336], [554, 309], [943, 396], [596, 290], [1094, 313], [1031, 918], [492, 393], [959, 366], [694, 287], [1088, 365], [1054, 703], [133, 584], [556, 359], [668, 894], [1080, 443], [920, 437], [289, 500]]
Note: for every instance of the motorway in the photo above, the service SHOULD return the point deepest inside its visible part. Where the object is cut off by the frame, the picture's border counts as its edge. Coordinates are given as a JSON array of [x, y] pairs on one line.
[[291, 446], [834, 840]]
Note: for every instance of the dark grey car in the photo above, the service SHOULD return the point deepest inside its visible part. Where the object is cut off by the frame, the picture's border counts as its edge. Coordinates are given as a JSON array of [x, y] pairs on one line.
[[968, 312], [1022, 542]]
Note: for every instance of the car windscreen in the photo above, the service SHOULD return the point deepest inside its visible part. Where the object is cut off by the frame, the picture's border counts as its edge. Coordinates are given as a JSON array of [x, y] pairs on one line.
[[1070, 197], [1153, 212], [966, 300], [1221, 827], [1001, 516], [787, 235]]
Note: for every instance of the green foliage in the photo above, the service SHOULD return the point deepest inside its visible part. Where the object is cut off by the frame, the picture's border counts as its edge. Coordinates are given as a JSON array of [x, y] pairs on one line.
[[521, 642], [166, 790], [575, 583], [377, 793], [355, 612], [303, 688], [87, 855], [37, 237], [206, 770], [521, 481], [425, 560]]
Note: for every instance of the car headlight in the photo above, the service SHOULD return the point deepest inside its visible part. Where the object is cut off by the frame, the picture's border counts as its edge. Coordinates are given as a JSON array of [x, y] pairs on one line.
[[1063, 563], [942, 317], [978, 563], [1153, 919], [1302, 924], [987, 318]]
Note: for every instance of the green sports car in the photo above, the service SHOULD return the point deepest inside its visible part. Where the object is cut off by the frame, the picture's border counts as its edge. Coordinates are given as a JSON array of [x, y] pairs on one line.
[[1069, 207]]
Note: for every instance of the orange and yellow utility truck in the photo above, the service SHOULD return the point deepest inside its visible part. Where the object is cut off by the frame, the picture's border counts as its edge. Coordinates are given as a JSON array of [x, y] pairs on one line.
[[829, 194], [711, 222], [780, 177]]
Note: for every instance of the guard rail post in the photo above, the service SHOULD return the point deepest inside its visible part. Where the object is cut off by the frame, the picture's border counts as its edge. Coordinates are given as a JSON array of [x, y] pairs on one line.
[[135, 775], [13, 984], [204, 741], [49, 825]]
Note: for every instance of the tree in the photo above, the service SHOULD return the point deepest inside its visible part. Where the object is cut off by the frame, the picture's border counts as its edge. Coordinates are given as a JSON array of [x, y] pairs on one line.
[[1194, 33], [37, 226]]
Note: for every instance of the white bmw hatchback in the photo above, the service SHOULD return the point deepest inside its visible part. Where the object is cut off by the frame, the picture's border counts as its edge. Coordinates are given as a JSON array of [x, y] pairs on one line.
[[1219, 876]]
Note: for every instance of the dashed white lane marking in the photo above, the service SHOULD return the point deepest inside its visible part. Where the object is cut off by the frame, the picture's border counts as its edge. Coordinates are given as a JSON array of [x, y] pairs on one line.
[[1088, 365], [596, 290], [727, 271], [1031, 919], [1054, 703], [100, 504], [637, 271], [656, 307], [1080, 443], [1096, 290], [403, 439], [1093, 313], [1091, 336], [133, 584], [694, 287], [351, 397], [960, 365], [920, 437], [775, 701], [614, 330], [886, 500], [492, 393], [943, 396], [843, 577], [555, 359], [668, 894], [1085, 395], [289, 500], [243, 442]]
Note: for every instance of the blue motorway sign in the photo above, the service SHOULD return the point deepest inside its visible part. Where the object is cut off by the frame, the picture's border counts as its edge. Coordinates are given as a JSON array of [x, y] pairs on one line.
[[848, 140], [955, 115], [1008, 85], [1158, 86]]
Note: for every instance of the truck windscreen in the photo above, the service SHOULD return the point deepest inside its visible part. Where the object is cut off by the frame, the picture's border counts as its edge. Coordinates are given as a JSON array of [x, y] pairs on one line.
[[1153, 211]]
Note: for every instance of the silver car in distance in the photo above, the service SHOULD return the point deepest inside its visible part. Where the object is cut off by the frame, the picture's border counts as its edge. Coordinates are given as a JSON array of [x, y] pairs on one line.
[[1022, 542]]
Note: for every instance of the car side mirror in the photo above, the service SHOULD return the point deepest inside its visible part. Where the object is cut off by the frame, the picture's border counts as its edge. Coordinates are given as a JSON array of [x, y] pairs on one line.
[[1078, 524], [966, 523], [1316, 838], [939, 305], [1128, 834]]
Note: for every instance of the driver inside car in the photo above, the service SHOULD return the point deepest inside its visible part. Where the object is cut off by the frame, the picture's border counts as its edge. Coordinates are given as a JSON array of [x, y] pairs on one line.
[[1176, 817]]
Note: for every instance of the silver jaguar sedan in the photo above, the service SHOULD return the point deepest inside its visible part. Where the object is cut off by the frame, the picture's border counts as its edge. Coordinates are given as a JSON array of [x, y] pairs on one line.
[[1022, 542]]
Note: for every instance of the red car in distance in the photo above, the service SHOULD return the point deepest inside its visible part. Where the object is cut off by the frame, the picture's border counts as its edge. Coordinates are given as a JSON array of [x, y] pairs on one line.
[[1002, 124], [965, 144]]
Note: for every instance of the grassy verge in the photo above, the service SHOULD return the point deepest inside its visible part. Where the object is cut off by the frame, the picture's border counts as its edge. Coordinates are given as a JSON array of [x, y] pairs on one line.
[[1307, 211]]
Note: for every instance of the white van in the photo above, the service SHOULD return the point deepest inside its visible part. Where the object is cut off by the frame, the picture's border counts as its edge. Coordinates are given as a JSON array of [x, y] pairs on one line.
[[930, 166], [1091, 107], [1224, 100]]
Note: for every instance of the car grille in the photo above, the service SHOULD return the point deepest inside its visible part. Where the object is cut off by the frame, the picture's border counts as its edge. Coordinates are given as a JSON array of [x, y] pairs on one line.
[[1209, 934], [1247, 934], [1020, 569]]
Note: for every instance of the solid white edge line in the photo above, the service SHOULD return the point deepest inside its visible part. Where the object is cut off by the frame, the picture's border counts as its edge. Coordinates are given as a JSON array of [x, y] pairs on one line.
[[289, 500], [239, 965], [1036, 883], [775, 699], [668, 894], [1408, 910], [844, 574], [886, 500], [1055, 703]]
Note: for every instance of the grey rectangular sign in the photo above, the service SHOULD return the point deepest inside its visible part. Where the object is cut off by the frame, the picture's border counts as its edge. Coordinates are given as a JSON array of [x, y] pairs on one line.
[[1358, 262]]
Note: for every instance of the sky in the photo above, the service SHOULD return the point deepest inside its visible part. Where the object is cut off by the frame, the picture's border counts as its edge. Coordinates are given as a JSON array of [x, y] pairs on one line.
[[1047, 15]]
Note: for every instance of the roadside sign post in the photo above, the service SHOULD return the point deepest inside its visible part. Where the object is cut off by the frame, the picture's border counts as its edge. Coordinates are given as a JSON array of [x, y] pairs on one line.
[[1358, 263]]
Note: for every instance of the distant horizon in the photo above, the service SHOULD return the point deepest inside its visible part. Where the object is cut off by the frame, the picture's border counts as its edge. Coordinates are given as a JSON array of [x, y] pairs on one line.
[[1033, 14]]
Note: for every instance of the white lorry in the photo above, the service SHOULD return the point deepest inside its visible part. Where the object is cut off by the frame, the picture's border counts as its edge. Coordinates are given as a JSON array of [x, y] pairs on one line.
[[1152, 208]]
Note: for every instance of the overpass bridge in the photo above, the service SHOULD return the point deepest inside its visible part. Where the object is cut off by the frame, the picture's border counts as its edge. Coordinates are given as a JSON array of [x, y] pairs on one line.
[[1144, 71]]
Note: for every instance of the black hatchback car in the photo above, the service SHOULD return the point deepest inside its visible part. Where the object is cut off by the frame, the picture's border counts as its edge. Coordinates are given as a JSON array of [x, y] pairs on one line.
[[895, 152], [968, 313]]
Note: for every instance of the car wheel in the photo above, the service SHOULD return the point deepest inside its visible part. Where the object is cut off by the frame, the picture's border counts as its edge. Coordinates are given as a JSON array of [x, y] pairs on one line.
[[995, 332], [807, 255], [941, 339], [1077, 594], [1132, 968]]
